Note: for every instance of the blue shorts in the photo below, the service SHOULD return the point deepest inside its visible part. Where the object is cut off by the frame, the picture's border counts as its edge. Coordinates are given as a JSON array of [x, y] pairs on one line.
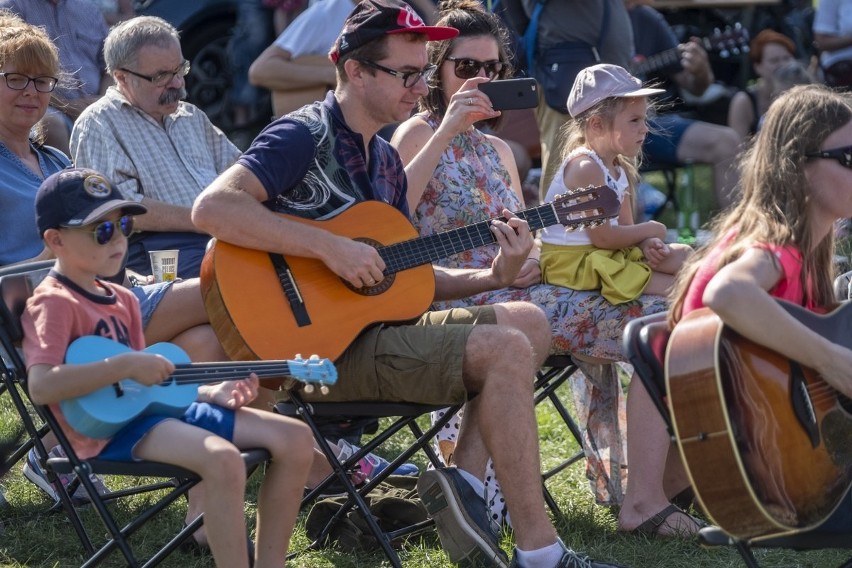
[[149, 297], [215, 419], [661, 143]]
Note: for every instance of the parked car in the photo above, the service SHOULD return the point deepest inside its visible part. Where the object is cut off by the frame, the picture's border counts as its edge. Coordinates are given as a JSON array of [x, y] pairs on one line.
[[205, 27]]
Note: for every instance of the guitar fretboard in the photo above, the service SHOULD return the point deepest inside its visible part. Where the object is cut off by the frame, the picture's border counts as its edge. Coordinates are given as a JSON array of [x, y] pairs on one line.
[[416, 252], [216, 372]]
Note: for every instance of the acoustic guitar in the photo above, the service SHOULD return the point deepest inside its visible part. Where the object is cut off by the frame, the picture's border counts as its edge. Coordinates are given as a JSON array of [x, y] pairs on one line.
[[766, 442], [725, 43], [102, 413], [267, 306]]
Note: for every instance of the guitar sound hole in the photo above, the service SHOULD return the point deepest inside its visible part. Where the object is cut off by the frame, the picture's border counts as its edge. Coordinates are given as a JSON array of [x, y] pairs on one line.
[[379, 288]]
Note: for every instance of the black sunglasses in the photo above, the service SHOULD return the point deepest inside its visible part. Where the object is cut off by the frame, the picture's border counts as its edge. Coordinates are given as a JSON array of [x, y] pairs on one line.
[[842, 155], [467, 68], [105, 230]]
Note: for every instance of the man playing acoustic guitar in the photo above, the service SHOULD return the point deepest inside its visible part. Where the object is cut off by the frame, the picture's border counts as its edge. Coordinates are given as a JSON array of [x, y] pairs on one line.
[[326, 158]]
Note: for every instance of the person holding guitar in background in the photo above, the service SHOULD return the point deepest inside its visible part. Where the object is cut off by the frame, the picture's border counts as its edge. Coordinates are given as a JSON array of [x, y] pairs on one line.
[[324, 161], [777, 242], [85, 222], [674, 139]]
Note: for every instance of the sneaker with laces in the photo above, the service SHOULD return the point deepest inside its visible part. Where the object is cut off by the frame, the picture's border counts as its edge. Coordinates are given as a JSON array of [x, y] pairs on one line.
[[461, 516], [371, 464], [571, 559], [34, 473]]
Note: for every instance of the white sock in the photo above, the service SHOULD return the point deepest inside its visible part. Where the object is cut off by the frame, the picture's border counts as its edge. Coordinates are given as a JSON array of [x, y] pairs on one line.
[[474, 482], [547, 556]]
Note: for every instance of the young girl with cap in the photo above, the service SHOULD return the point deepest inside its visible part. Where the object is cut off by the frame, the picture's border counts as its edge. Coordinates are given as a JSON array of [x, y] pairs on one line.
[[621, 259]]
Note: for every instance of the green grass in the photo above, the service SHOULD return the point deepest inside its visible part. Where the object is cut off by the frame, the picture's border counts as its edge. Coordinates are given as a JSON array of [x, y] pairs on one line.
[[33, 538]]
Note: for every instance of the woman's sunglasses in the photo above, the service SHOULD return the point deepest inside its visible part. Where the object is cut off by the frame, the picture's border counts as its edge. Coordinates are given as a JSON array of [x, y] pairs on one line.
[[466, 68], [104, 231], [842, 155]]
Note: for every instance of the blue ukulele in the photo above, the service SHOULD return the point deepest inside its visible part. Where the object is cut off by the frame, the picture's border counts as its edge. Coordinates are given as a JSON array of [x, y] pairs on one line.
[[102, 413]]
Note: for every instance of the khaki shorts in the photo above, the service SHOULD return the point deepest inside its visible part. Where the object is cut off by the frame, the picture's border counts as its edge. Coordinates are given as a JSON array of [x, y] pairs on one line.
[[419, 362]]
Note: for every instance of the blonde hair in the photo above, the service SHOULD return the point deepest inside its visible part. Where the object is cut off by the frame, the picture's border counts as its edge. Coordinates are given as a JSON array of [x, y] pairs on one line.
[[573, 135], [29, 47], [775, 205]]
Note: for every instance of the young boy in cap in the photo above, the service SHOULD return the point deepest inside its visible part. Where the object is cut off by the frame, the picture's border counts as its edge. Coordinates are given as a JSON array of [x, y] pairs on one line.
[[85, 223], [327, 157]]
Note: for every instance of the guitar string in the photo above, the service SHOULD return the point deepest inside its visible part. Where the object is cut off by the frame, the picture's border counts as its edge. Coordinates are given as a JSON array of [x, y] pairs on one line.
[[419, 251]]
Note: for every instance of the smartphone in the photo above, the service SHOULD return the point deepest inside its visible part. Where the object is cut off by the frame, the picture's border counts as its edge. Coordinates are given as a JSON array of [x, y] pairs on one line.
[[508, 94]]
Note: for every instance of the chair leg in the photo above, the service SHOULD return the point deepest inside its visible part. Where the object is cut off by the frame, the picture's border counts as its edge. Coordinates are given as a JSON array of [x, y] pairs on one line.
[[546, 383]]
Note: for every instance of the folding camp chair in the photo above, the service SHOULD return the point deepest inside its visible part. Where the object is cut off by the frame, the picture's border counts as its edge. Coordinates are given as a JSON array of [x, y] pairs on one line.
[[15, 288], [402, 415], [557, 369], [645, 341]]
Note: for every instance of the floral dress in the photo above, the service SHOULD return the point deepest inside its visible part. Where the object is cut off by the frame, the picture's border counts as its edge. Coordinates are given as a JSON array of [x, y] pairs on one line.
[[471, 185]]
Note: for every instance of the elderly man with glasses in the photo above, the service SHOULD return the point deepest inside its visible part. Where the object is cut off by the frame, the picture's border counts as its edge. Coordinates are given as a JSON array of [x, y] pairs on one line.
[[156, 148]]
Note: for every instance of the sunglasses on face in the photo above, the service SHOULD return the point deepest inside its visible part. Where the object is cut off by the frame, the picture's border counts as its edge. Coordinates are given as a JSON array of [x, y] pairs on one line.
[[105, 230], [842, 155], [467, 68]]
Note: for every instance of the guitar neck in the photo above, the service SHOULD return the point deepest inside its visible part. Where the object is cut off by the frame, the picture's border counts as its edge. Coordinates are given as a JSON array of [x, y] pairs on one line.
[[202, 373], [423, 250], [654, 63]]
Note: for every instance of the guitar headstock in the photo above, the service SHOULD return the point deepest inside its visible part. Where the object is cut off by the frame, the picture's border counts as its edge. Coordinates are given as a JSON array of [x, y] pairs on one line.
[[313, 370], [733, 40], [586, 207]]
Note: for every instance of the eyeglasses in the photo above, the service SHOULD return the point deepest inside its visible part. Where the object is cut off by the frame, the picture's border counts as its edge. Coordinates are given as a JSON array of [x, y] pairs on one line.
[[842, 155], [105, 230], [19, 82], [409, 78], [467, 68], [164, 78]]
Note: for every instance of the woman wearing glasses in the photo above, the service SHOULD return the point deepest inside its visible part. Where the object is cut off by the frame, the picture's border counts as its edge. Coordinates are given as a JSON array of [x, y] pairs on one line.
[[458, 175], [29, 71]]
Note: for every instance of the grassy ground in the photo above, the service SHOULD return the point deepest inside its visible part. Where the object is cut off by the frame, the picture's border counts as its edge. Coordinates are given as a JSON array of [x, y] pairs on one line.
[[34, 538]]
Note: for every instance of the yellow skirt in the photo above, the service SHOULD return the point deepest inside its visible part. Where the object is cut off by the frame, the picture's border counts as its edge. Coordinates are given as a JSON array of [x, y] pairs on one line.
[[621, 275]]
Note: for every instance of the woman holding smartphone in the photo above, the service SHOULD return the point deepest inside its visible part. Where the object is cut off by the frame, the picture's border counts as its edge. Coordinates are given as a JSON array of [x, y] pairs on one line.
[[458, 175]]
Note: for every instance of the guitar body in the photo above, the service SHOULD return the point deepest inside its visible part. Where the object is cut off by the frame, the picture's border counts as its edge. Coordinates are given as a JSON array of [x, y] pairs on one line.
[[102, 413], [766, 442], [253, 319]]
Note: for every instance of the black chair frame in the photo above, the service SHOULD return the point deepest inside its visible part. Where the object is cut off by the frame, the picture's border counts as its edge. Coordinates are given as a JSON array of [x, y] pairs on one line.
[[15, 287]]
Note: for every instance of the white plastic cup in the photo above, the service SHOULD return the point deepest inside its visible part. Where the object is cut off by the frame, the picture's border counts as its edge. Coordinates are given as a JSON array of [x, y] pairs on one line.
[[164, 264]]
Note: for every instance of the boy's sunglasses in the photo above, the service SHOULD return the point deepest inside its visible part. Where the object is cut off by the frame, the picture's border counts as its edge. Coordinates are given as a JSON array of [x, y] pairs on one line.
[[842, 155], [466, 68], [105, 230]]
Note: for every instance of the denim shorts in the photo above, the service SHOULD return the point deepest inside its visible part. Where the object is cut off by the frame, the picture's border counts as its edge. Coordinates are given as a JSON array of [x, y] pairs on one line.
[[664, 137], [149, 297], [215, 419]]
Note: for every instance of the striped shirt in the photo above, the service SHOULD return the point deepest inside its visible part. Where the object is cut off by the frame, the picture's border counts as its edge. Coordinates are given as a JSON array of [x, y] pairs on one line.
[[78, 29], [171, 162]]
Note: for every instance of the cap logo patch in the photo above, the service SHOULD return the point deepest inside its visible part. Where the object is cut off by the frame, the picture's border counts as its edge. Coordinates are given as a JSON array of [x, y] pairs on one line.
[[96, 186], [408, 18]]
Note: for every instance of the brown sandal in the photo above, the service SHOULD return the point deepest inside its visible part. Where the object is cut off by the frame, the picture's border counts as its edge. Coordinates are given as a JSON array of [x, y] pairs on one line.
[[651, 526]]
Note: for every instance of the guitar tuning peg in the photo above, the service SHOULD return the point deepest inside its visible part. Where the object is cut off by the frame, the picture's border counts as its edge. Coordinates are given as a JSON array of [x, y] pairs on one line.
[[324, 390], [571, 228], [309, 389], [299, 357]]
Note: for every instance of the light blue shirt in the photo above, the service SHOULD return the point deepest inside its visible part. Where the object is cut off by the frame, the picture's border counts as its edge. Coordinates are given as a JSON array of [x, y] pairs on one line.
[[19, 238]]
